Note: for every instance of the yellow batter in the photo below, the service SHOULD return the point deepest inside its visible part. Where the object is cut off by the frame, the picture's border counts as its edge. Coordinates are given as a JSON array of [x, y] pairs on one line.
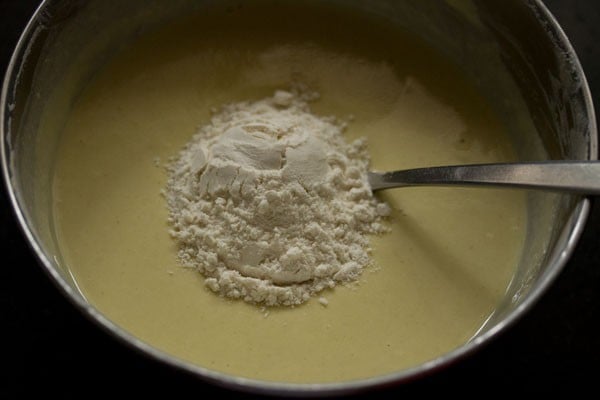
[[439, 274]]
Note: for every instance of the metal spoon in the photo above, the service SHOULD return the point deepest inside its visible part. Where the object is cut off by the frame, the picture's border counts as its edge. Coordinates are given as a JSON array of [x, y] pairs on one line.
[[581, 177]]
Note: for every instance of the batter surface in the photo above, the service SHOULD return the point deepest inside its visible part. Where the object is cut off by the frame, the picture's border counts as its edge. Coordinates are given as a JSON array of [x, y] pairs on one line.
[[438, 275]]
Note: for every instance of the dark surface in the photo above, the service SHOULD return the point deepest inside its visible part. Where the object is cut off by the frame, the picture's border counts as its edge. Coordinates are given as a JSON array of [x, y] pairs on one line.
[[48, 345]]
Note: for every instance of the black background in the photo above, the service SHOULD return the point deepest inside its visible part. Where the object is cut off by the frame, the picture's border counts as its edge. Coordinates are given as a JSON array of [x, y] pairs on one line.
[[47, 345]]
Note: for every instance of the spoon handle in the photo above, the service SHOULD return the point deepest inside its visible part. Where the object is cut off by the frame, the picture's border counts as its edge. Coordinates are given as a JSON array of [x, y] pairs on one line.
[[581, 177]]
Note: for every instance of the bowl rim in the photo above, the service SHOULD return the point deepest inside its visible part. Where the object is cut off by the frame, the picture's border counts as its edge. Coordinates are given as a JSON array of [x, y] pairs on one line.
[[573, 232]]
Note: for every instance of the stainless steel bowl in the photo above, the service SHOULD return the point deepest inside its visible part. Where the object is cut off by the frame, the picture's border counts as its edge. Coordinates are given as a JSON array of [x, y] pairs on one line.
[[513, 50]]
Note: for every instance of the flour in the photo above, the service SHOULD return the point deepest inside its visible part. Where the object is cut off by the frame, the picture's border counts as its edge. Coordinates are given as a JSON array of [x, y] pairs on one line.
[[270, 203]]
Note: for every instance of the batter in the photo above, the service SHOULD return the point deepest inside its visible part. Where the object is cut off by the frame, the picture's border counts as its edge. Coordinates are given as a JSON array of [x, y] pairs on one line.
[[439, 273]]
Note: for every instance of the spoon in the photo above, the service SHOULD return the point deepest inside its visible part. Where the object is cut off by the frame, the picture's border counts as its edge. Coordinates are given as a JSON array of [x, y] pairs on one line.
[[580, 177]]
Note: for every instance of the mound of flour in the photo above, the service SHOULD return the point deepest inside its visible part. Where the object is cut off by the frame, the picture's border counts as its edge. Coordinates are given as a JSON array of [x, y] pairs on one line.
[[271, 204]]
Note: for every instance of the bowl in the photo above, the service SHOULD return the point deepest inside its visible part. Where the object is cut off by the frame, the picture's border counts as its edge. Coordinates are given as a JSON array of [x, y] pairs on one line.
[[512, 50]]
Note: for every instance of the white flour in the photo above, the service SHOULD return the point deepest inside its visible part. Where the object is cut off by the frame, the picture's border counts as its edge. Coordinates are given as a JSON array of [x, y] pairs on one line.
[[270, 204]]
